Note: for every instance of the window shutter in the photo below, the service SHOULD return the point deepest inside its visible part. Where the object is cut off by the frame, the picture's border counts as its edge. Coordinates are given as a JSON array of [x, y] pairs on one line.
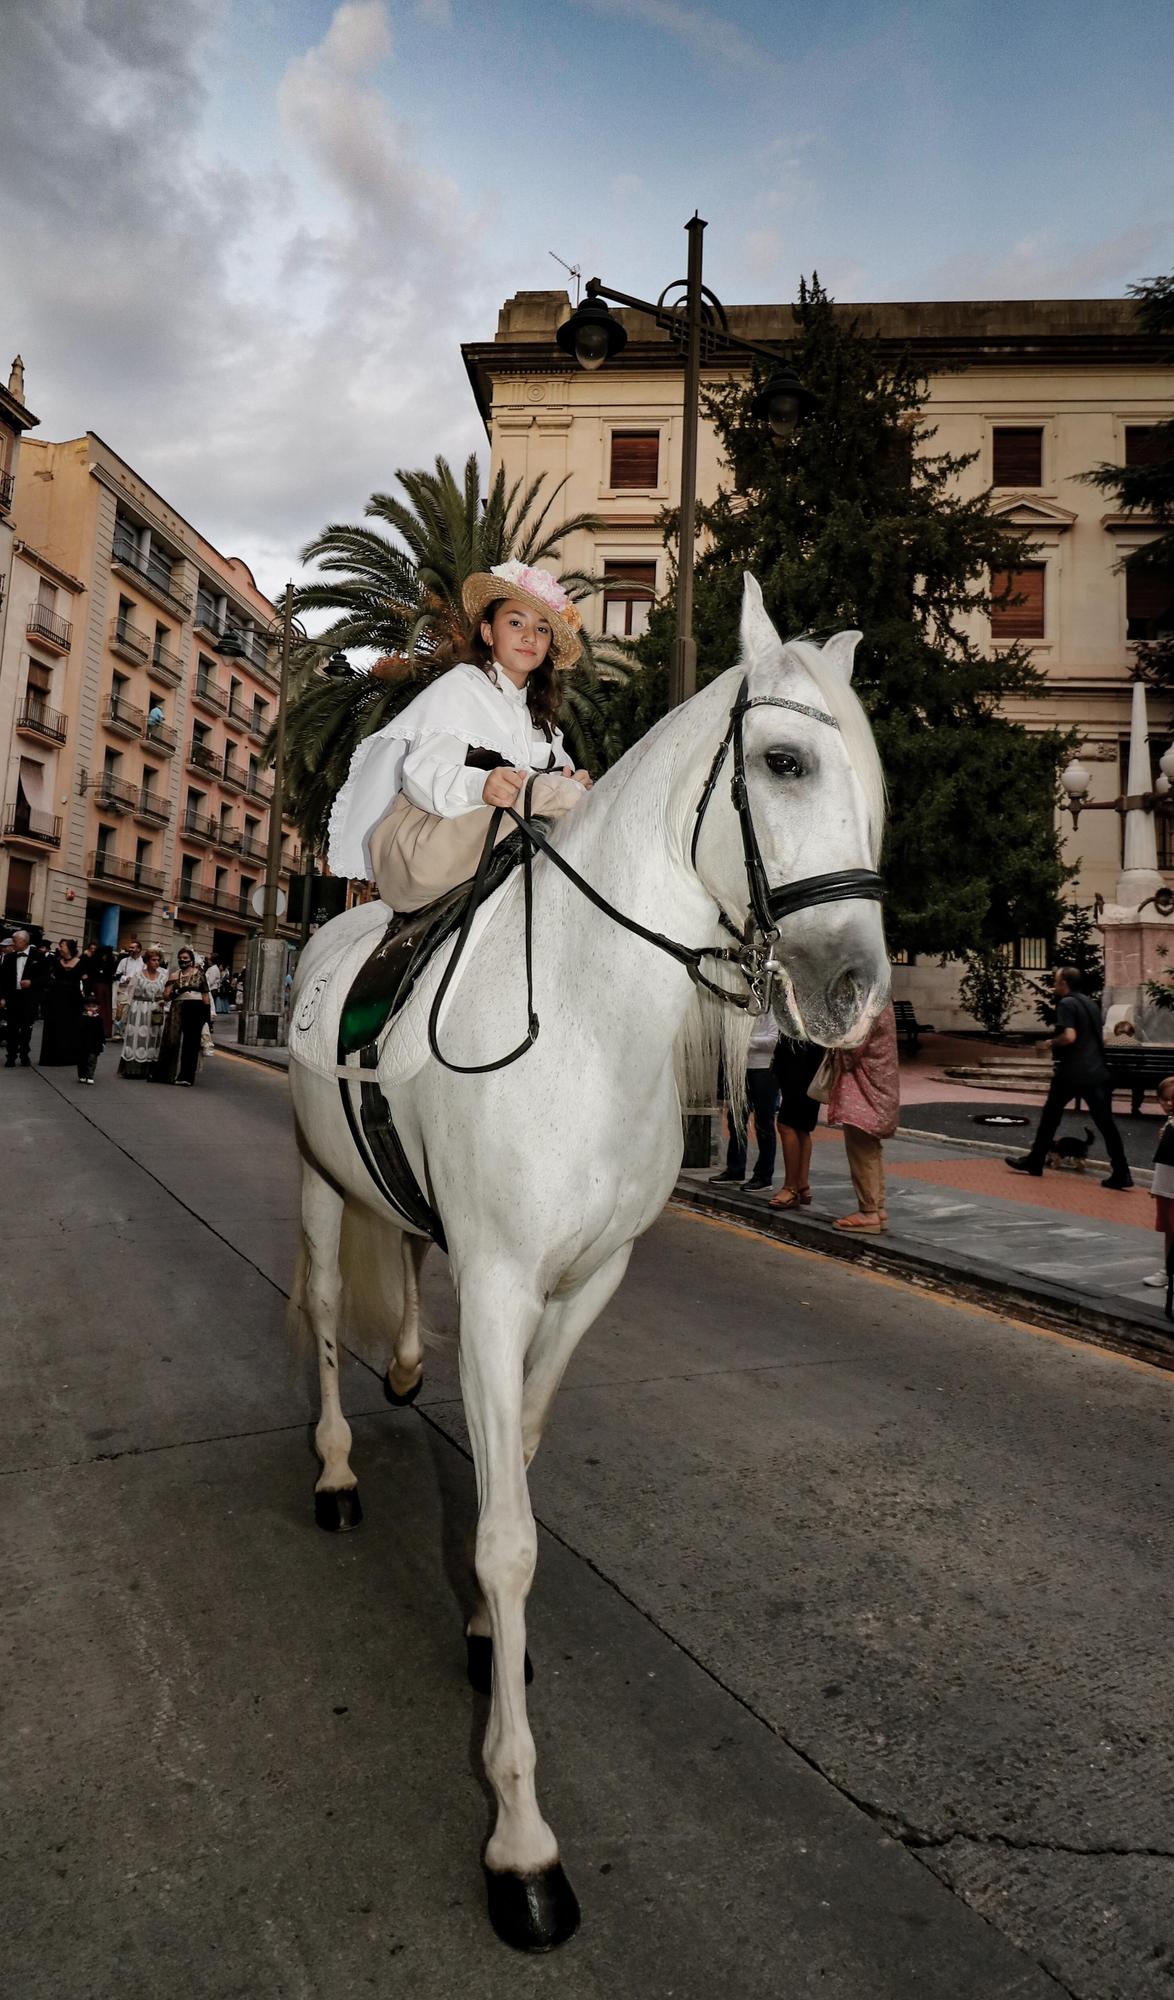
[[1143, 445], [1018, 455], [1019, 621], [1149, 603], [635, 458]]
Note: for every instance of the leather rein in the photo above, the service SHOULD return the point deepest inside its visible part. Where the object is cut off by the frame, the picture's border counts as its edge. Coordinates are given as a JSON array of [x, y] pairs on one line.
[[753, 954]]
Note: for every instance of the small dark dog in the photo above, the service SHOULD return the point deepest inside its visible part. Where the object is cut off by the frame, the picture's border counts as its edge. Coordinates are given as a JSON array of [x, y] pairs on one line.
[[1071, 1152]]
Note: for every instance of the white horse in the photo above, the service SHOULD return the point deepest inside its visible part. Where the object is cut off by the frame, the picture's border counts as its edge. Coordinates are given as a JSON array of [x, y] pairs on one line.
[[545, 1173]]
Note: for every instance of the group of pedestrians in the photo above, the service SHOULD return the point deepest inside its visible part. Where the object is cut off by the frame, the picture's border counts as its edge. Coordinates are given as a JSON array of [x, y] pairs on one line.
[[161, 1015], [787, 1082]]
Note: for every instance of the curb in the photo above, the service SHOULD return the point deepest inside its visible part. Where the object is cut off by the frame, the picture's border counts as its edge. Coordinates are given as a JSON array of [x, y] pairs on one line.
[[250, 1055], [1141, 1335]]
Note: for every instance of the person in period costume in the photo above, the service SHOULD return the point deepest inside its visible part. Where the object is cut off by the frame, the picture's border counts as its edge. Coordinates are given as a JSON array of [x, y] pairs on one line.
[[142, 1028], [98, 982], [61, 1006], [189, 1009], [795, 1066], [419, 798], [865, 1099], [91, 1040], [22, 980], [129, 966]]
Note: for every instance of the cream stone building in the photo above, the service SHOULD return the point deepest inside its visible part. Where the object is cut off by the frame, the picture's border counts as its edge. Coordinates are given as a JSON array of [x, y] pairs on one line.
[[138, 680], [1041, 390]]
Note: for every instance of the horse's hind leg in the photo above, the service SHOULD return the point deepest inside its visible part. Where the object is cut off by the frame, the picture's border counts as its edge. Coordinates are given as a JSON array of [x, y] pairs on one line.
[[406, 1370], [336, 1496]]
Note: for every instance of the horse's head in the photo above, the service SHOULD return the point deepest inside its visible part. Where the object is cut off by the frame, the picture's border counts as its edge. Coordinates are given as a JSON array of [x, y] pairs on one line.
[[816, 798]]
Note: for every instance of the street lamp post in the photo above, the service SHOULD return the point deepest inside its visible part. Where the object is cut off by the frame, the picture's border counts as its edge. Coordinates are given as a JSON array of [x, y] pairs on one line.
[[262, 1018], [698, 323]]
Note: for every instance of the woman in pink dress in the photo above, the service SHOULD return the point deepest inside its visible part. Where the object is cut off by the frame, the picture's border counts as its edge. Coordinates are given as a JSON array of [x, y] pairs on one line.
[[866, 1100]]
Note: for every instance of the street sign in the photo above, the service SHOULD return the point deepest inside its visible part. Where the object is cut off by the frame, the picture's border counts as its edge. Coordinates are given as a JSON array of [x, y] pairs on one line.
[[257, 901]]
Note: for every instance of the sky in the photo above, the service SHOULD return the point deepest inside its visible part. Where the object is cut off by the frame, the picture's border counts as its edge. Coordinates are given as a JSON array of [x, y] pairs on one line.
[[243, 239]]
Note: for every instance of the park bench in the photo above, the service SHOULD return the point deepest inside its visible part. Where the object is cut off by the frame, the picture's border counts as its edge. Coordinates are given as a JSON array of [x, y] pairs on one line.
[[1137, 1068], [909, 1027]]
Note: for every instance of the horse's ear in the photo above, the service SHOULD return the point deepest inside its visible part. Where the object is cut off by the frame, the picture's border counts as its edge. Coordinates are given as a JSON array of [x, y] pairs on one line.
[[841, 651], [760, 641]]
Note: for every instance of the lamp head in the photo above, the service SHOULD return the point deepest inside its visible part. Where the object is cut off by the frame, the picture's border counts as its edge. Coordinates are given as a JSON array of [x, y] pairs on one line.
[[592, 335], [783, 403], [1075, 779]]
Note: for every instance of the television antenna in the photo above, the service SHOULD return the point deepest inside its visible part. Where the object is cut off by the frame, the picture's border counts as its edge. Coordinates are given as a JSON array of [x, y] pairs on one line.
[[572, 271]]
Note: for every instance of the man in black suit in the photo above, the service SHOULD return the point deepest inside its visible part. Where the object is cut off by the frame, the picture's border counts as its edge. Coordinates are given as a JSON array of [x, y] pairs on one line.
[[22, 975]]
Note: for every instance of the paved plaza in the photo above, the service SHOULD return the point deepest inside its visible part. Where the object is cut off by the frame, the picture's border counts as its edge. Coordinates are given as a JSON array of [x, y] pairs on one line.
[[850, 1627]]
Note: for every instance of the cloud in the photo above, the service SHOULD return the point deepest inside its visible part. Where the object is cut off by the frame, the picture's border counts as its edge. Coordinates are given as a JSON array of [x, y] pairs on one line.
[[1036, 266], [266, 341], [709, 36]]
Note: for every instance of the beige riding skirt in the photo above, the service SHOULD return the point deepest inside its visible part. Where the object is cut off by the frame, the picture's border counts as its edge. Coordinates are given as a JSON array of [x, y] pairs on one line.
[[419, 855]]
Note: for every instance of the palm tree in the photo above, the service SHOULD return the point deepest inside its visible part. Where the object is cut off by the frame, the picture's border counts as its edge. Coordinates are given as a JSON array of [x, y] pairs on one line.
[[402, 600]]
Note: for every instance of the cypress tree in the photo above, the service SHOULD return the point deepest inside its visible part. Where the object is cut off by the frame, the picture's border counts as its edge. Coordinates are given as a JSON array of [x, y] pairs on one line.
[[857, 521]]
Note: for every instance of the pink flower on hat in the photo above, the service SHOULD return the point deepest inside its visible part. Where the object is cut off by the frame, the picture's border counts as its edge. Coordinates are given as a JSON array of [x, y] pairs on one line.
[[540, 583]]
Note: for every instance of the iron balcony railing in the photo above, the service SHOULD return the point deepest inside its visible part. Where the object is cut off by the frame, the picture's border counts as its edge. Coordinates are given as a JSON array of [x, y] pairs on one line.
[[152, 569], [192, 892], [258, 787], [41, 721], [203, 757], [234, 774], [160, 735], [45, 624], [210, 692], [111, 791], [128, 640], [198, 825], [104, 867], [7, 488], [122, 714], [166, 663], [24, 823], [153, 805]]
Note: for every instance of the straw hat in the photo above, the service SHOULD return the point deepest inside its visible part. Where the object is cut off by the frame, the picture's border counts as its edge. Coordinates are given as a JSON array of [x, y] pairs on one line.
[[541, 591]]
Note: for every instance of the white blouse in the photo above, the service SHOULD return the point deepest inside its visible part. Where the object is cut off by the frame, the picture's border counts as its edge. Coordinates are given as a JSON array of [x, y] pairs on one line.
[[422, 753]]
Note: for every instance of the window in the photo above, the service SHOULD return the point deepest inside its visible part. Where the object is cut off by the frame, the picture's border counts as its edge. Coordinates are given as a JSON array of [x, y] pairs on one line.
[[260, 713], [110, 762], [1149, 604], [629, 589], [18, 896], [125, 616], [1032, 954], [40, 680], [187, 873], [150, 778], [635, 458], [142, 858], [1024, 620], [206, 609], [46, 595], [1144, 445], [105, 842], [1018, 455]]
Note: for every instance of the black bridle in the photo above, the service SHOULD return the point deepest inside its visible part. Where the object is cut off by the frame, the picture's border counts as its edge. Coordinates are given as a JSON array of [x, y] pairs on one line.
[[754, 953]]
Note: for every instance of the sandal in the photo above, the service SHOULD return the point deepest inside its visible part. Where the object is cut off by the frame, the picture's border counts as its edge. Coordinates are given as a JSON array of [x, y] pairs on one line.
[[805, 1196], [869, 1225], [787, 1197]]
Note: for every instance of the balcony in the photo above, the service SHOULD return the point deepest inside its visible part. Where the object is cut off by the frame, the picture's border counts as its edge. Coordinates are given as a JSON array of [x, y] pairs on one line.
[[51, 630], [153, 807], [7, 488], [234, 775], [166, 664], [152, 576], [207, 619], [132, 877], [209, 694], [161, 736], [238, 713], [192, 894], [130, 642], [111, 793], [39, 829], [37, 720], [198, 826], [203, 758], [233, 902], [251, 850], [259, 788], [123, 717], [228, 837]]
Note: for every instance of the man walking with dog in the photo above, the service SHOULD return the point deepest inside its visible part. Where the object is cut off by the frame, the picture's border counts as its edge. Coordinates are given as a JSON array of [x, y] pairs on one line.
[[1078, 1052]]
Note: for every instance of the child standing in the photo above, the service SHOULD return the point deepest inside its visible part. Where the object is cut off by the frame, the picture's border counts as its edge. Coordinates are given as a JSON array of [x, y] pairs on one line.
[[90, 1042], [1162, 1185]]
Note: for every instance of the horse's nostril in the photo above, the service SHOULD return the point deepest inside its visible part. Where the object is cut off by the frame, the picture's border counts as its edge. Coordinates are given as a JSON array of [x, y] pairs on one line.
[[845, 993]]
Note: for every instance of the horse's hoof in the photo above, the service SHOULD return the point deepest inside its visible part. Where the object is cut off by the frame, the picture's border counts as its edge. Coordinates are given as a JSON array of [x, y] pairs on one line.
[[397, 1401], [533, 1912], [336, 1512], [479, 1663]]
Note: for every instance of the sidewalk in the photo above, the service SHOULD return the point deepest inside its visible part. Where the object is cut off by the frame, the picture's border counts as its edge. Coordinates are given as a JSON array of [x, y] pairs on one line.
[[1062, 1249], [224, 1034]]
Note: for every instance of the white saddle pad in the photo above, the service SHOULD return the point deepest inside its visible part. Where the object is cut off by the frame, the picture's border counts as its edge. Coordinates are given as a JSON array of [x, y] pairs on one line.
[[326, 972]]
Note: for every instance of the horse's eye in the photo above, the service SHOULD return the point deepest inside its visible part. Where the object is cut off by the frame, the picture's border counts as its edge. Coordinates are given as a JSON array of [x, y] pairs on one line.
[[785, 763]]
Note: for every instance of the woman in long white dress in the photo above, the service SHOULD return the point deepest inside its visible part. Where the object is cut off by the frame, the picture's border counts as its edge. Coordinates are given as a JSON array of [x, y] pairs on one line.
[[142, 1032]]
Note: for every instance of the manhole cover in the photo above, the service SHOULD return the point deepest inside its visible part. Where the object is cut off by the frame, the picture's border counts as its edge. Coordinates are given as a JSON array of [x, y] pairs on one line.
[[996, 1118]]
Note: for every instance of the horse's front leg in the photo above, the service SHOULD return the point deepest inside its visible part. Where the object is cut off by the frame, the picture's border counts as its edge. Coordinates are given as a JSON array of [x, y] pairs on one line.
[[531, 1903]]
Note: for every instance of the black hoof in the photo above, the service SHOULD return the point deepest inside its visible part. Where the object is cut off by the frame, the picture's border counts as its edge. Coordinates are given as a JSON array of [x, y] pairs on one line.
[[533, 1912], [401, 1402], [336, 1512], [479, 1663]]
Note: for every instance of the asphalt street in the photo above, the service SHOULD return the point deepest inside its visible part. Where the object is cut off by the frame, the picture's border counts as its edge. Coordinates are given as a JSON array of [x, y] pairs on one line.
[[852, 1625]]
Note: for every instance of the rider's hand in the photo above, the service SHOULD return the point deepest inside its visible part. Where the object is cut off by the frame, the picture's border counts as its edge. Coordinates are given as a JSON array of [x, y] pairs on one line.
[[583, 778], [501, 787]]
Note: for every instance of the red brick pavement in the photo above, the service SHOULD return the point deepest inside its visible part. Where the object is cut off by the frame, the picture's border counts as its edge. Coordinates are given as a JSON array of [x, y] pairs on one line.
[[1069, 1193]]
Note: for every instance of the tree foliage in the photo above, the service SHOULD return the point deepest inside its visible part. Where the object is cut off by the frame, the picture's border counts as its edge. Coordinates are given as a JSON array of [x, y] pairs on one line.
[[989, 988], [858, 521], [1149, 490], [396, 592]]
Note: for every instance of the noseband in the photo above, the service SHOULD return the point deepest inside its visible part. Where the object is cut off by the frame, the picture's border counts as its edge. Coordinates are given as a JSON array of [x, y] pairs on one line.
[[754, 956]]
